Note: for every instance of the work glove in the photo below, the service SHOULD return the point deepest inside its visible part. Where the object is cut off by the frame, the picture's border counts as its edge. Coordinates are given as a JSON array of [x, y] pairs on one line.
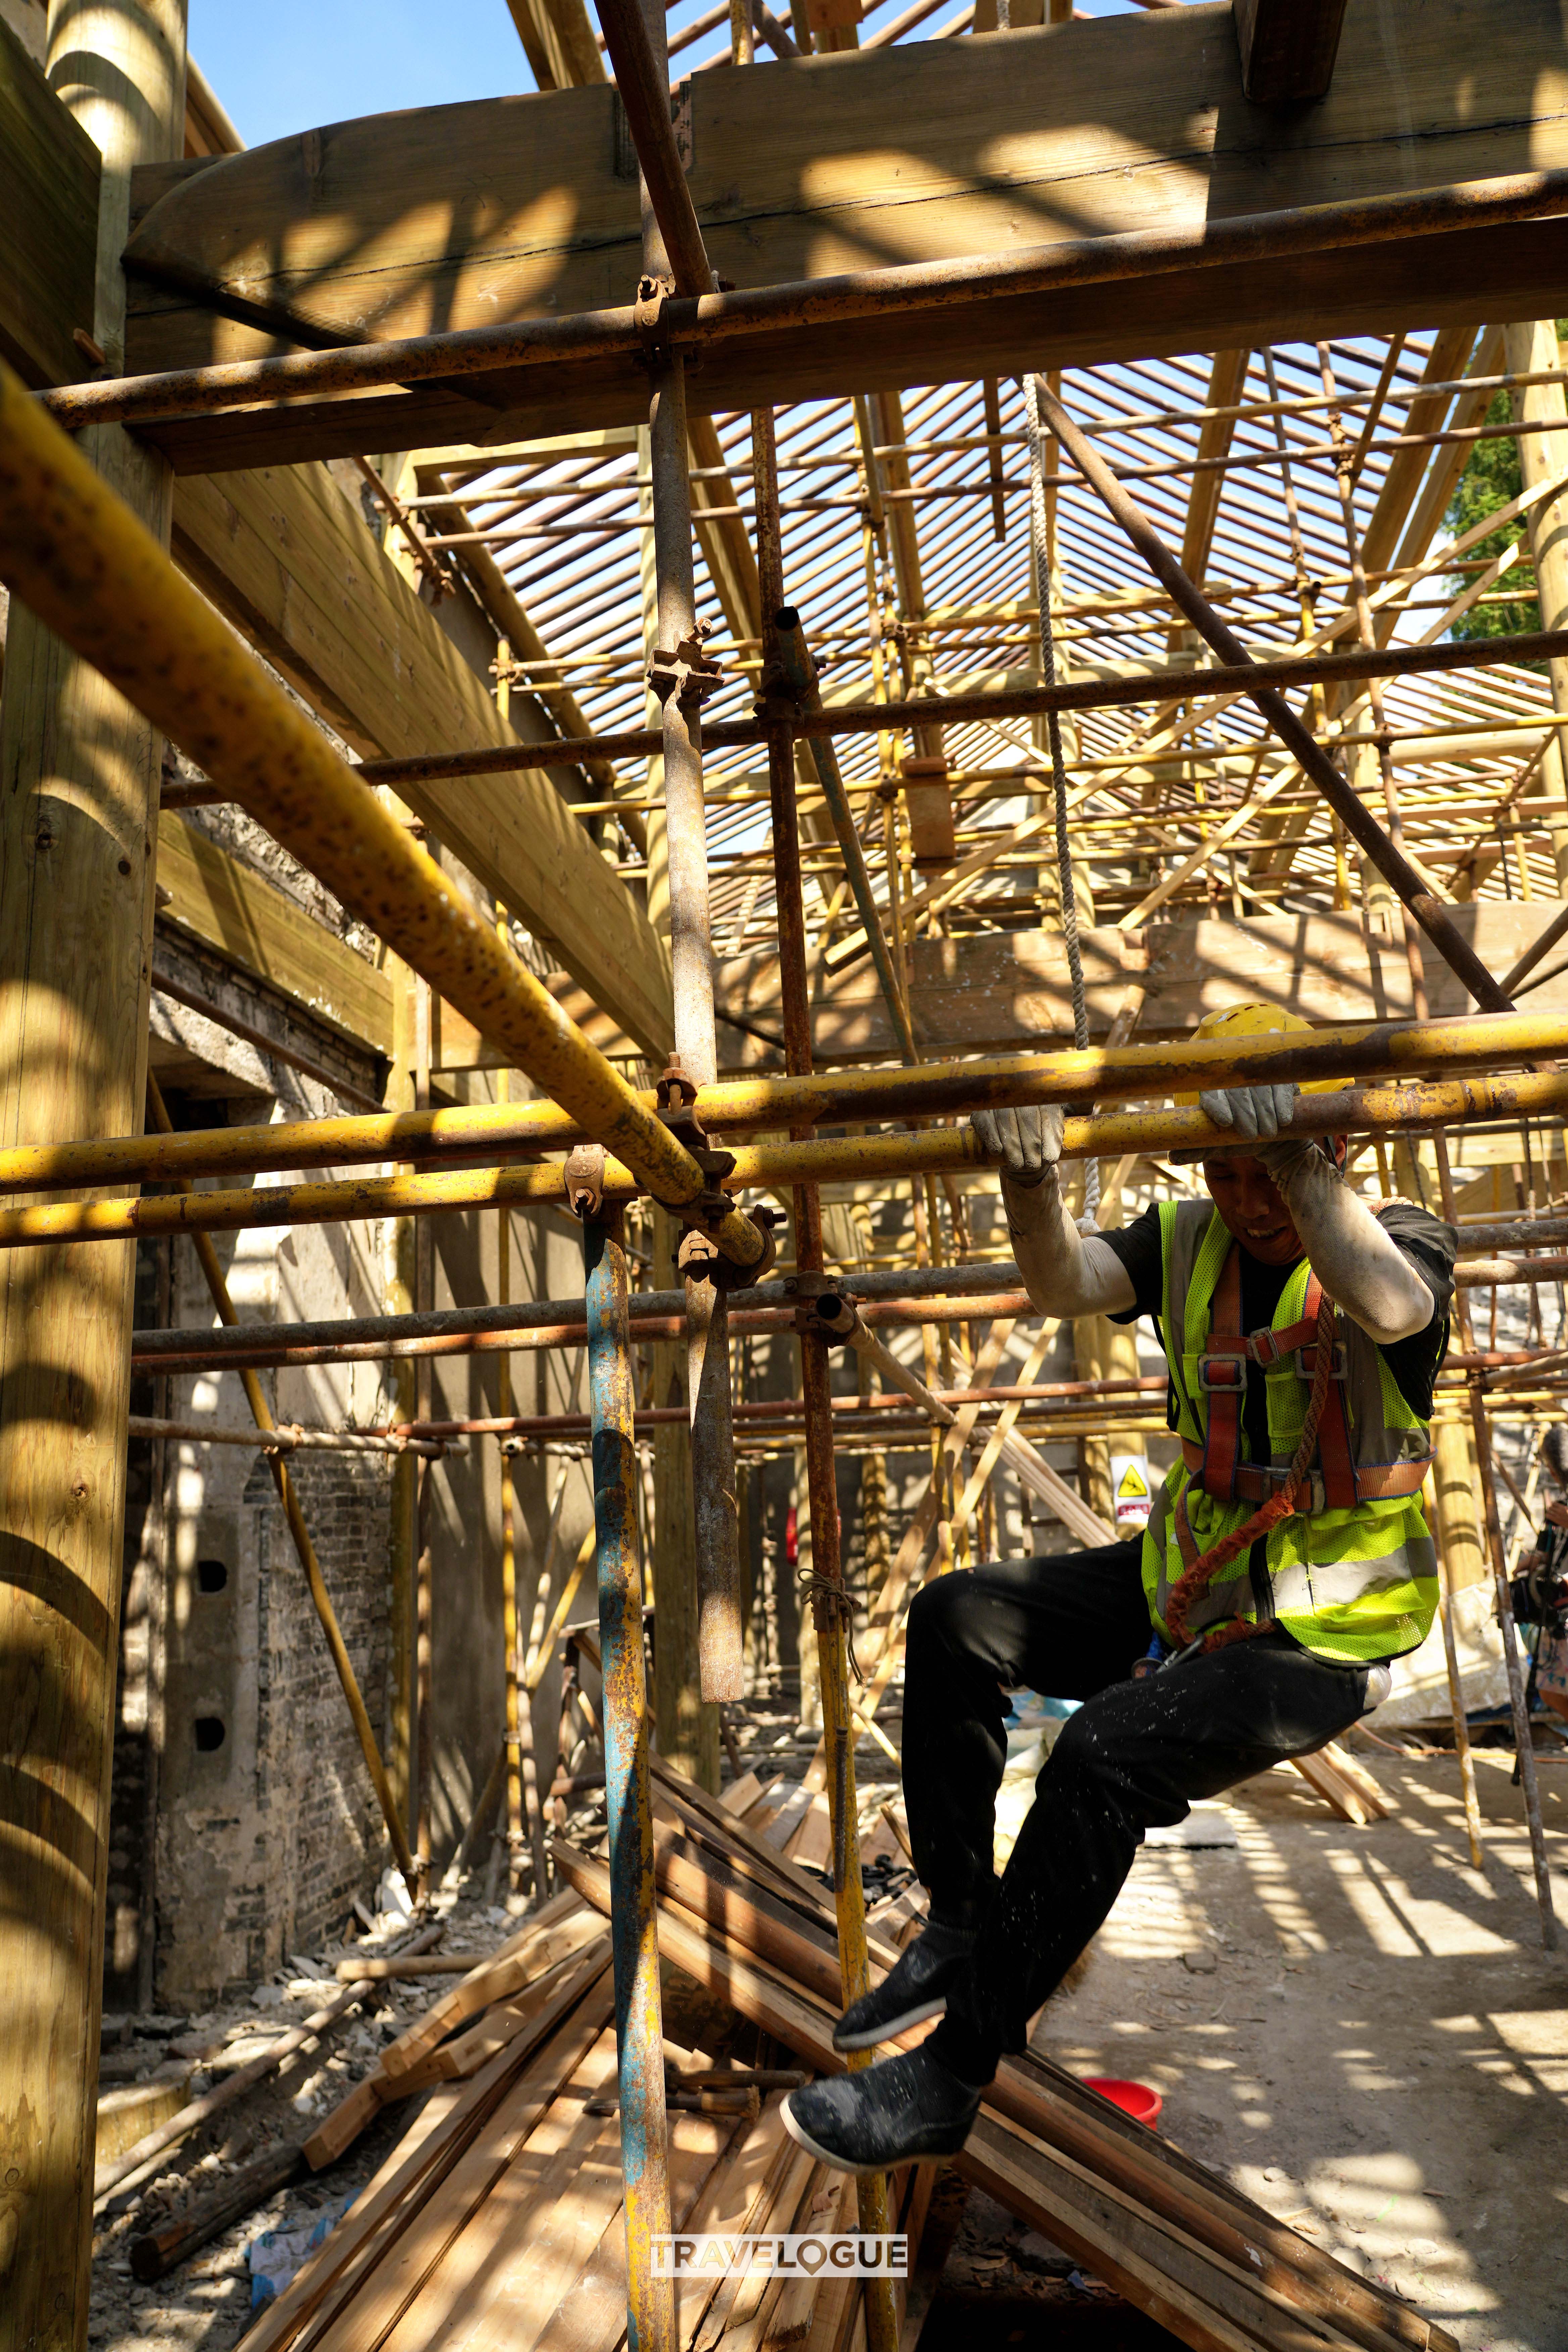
[[1253, 1114], [1027, 1141]]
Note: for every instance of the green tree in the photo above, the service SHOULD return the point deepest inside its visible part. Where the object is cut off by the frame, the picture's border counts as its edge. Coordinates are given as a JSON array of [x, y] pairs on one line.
[[1490, 480]]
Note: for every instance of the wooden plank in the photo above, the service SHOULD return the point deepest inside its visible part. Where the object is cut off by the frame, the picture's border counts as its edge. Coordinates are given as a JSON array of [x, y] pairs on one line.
[[250, 922], [48, 204], [1288, 48], [409, 2261], [349, 2117], [287, 559], [500, 2025], [561, 1928], [592, 2316], [532, 2232], [435, 2139]]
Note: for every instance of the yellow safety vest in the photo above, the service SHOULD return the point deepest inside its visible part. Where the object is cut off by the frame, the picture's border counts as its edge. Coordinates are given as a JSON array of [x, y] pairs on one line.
[[1354, 1571]]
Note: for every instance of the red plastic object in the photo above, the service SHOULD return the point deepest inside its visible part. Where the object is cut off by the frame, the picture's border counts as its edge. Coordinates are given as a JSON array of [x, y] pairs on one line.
[[1139, 2100]]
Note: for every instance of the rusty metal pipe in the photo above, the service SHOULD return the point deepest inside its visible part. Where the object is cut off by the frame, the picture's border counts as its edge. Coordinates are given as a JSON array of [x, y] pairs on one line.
[[1314, 762], [653, 1314], [864, 295], [1163, 685], [641, 64], [639, 2036], [468, 1331]]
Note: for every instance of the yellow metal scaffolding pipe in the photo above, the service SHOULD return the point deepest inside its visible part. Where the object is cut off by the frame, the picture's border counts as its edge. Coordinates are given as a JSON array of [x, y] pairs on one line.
[[78, 556], [1380, 1049], [829, 1159]]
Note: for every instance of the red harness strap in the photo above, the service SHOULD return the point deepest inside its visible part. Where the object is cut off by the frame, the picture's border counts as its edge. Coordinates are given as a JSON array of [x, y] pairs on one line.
[[1334, 1457], [1223, 1369], [1222, 1433]]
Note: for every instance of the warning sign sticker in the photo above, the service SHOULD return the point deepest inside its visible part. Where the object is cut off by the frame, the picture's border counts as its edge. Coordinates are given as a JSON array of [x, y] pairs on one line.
[[1130, 1486]]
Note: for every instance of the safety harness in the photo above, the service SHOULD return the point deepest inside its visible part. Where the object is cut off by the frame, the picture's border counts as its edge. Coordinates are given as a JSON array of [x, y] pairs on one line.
[[1335, 1482]]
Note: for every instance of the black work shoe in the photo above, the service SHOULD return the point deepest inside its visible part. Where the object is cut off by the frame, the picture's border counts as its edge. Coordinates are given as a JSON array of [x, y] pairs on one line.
[[908, 2106], [914, 1988]]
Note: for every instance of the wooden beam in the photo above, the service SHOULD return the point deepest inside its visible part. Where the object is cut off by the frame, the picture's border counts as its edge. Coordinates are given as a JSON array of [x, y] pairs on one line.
[[1288, 48], [996, 991], [285, 557], [253, 925], [78, 825], [48, 203], [512, 208], [559, 40], [1227, 379]]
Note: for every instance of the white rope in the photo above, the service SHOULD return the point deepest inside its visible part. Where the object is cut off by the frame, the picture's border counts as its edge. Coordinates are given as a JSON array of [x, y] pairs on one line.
[[1059, 764]]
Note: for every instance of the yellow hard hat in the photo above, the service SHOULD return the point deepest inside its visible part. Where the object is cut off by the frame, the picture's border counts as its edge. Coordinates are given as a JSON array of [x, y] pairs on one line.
[[1257, 1020]]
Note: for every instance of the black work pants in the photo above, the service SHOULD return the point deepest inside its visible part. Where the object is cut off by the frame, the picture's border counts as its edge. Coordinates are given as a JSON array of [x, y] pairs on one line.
[[1135, 1756]]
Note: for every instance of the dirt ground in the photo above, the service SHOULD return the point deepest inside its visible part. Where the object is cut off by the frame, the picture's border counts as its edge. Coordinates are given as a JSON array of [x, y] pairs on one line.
[[1355, 2025], [1363, 2032]]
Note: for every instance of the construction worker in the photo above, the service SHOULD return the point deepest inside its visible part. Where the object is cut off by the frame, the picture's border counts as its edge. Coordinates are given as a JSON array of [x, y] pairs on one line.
[[1285, 1563], [1541, 1584]]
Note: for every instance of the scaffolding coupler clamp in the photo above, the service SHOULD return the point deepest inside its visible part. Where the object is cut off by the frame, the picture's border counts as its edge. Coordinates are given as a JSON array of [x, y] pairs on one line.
[[701, 1259], [699, 1256], [647, 316], [684, 669], [584, 1176], [823, 1307]]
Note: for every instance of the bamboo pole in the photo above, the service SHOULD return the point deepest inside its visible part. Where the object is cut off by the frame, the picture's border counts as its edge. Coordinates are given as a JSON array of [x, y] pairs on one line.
[[717, 1671], [651, 2302], [1385, 854]]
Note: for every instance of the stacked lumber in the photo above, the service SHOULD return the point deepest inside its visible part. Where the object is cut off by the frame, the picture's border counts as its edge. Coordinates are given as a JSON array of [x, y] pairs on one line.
[[1173, 2239], [498, 2220], [1344, 1785], [505, 1992]]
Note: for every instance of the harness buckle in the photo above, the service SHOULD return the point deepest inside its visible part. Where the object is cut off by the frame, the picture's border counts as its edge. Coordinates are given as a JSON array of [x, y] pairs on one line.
[[1263, 1347], [1316, 1498], [1307, 1364], [1234, 1367]]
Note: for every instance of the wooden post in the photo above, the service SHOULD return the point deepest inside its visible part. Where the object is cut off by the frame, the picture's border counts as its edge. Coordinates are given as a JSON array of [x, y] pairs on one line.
[[1530, 347], [78, 820], [402, 1512]]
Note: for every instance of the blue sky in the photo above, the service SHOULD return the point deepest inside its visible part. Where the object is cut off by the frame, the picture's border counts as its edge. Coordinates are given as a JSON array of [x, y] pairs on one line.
[[280, 65], [283, 65]]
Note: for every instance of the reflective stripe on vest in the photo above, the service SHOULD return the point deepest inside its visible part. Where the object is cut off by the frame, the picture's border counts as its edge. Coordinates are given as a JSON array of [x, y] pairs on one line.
[[1352, 1574]]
